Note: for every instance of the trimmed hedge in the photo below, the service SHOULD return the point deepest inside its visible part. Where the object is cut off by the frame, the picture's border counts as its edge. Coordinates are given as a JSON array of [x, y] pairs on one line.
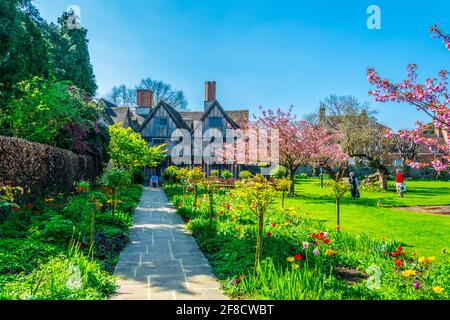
[[43, 169]]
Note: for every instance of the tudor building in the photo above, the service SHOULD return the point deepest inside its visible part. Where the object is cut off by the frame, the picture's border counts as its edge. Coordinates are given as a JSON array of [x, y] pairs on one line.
[[156, 123]]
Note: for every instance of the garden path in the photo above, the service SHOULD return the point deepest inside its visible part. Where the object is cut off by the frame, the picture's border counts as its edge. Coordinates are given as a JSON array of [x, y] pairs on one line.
[[162, 260]]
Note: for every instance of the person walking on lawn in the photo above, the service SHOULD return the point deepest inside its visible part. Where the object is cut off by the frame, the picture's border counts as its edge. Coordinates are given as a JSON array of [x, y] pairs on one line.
[[399, 183], [353, 186]]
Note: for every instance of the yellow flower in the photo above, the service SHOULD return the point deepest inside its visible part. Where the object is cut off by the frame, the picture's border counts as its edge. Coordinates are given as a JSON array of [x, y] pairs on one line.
[[408, 273], [296, 266], [421, 259], [430, 259], [438, 289], [238, 227], [329, 252], [290, 259]]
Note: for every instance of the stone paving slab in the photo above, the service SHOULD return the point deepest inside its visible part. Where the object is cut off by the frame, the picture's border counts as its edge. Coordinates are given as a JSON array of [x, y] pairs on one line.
[[162, 260]]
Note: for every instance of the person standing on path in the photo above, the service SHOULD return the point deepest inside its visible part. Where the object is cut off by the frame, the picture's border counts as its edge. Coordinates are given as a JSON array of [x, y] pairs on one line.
[[399, 183], [353, 186]]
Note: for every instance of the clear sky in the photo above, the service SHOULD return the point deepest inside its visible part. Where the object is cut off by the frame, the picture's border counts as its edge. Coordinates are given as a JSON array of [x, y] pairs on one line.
[[261, 53]]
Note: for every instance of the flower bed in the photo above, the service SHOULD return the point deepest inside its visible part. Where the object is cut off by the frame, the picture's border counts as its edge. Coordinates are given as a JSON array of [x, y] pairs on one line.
[[301, 258], [45, 250]]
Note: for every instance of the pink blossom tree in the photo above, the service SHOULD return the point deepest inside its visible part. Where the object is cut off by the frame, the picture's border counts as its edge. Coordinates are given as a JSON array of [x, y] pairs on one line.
[[431, 97], [300, 142]]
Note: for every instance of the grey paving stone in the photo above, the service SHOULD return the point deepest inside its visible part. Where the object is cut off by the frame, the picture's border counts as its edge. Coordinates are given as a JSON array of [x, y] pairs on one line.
[[164, 283], [201, 294], [146, 270], [193, 260], [162, 260]]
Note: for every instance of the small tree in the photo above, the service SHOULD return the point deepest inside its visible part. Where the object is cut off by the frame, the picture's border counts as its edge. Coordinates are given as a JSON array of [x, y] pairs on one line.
[[227, 175], [128, 150], [116, 179], [339, 189], [196, 177], [283, 185], [257, 194]]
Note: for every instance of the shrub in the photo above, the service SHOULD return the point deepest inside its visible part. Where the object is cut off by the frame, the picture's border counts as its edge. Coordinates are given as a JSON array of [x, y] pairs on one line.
[[226, 174], [72, 277], [171, 174], [42, 169], [245, 175], [279, 172], [116, 179], [24, 255]]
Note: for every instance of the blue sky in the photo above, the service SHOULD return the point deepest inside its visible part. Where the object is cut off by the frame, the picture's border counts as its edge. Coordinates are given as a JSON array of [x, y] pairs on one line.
[[261, 53]]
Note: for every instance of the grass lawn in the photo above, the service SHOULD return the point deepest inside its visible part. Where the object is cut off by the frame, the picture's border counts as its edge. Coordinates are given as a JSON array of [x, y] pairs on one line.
[[423, 233]]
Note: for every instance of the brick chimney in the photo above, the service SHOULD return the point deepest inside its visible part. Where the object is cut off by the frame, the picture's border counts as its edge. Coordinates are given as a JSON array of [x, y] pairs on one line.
[[210, 93], [144, 102]]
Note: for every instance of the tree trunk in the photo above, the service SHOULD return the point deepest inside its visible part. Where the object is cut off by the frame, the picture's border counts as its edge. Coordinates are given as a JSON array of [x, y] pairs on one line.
[[405, 170], [321, 177], [259, 241], [338, 213], [292, 178], [382, 178]]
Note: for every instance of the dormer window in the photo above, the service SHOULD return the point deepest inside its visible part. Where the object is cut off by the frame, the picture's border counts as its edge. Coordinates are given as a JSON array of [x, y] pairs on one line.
[[215, 122], [161, 122]]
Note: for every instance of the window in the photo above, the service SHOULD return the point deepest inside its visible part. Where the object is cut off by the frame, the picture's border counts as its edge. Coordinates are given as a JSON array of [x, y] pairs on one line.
[[162, 122], [215, 122]]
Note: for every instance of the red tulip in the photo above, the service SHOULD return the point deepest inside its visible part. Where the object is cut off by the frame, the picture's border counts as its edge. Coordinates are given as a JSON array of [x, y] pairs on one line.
[[298, 257], [269, 234]]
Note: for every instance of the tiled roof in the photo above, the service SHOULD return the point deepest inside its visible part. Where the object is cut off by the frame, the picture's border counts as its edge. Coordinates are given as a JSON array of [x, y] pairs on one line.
[[117, 114]]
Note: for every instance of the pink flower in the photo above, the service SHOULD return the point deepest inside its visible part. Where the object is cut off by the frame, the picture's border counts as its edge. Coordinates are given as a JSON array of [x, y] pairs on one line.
[[316, 251], [305, 245]]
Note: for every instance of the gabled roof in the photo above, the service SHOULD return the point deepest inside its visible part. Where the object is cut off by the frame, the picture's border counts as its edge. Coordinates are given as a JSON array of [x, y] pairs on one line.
[[115, 113], [216, 103], [174, 114]]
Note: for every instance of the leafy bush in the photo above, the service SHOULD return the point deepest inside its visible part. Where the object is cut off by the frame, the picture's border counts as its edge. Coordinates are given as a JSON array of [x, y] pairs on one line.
[[24, 255], [226, 174], [170, 175], [58, 230], [279, 172], [72, 277], [245, 175]]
